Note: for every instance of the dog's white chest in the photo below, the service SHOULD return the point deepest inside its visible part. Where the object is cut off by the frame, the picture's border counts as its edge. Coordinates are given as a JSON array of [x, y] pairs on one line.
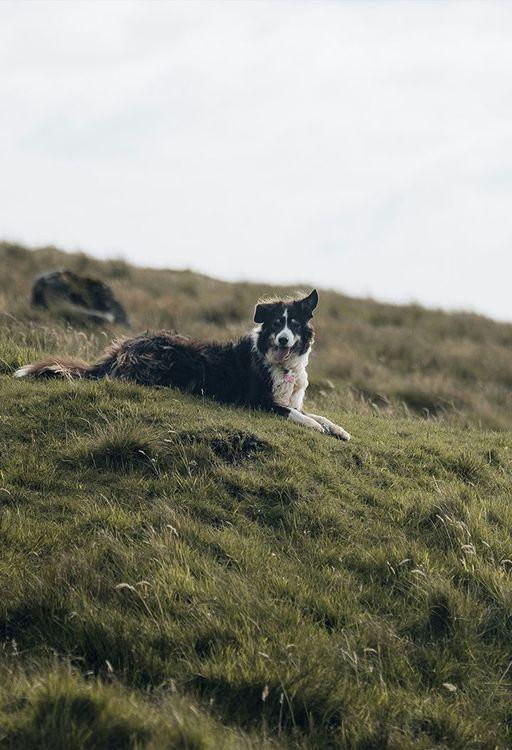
[[283, 385], [289, 386]]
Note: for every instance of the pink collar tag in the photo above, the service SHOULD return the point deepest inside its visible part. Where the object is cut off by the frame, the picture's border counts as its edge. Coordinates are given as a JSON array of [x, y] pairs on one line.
[[289, 378]]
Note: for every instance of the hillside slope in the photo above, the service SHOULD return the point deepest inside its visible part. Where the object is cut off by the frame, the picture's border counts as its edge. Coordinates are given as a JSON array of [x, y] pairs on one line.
[[398, 360], [179, 575]]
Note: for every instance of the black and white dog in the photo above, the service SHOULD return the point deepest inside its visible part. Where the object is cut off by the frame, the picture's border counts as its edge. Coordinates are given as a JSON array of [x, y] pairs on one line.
[[265, 369]]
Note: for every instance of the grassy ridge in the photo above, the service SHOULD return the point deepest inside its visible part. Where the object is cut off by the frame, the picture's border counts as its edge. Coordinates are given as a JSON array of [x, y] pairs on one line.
[[397, 360], [178, 575]]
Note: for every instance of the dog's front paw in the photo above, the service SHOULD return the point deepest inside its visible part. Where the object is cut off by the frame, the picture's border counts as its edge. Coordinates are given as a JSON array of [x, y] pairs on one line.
[[314, 425], [339, 433]]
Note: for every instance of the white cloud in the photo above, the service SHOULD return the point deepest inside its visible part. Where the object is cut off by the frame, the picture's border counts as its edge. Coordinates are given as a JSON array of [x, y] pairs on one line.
[[364, 146]]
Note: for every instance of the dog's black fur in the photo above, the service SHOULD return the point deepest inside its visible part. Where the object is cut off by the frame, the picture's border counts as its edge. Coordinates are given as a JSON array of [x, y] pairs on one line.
[[241, 373], [231, 373]]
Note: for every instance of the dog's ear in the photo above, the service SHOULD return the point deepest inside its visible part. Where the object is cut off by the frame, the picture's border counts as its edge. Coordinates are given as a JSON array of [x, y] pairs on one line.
[[261, 312], [309, 303]]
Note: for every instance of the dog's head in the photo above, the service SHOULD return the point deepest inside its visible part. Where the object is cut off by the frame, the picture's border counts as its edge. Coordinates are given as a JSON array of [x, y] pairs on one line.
[[284, 327]]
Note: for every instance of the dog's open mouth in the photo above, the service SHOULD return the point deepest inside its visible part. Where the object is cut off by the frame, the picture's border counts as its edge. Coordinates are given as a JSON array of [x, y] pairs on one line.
[[282, 353]]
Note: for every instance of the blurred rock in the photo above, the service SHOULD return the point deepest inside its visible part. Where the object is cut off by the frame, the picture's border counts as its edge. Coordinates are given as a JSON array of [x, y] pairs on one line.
[[69, 291]]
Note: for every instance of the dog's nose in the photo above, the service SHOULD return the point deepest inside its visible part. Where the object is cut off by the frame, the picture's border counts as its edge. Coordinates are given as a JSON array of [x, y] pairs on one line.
[[282, 340]]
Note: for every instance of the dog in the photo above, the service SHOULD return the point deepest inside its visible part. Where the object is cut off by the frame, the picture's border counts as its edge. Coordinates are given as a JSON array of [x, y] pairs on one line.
[[265, 369]]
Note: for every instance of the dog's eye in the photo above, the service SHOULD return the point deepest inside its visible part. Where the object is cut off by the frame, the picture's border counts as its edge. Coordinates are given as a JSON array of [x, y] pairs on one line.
[[295, 322]]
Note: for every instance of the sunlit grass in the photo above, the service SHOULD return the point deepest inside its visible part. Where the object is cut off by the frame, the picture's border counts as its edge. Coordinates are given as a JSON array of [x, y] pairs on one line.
[[179, 575]]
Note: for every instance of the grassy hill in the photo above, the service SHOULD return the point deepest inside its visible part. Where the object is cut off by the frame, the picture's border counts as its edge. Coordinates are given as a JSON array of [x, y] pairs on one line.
[[178, 575]]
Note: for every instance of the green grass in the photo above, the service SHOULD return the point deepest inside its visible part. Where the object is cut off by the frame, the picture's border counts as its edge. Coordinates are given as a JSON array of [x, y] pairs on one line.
[[178, 575], [369, 357]]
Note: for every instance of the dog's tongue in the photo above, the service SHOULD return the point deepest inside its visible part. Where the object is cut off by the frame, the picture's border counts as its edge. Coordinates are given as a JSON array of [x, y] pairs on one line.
[[282, 353]]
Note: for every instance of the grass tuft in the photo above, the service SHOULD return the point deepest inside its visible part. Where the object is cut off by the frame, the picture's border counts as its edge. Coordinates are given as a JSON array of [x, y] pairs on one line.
[[119, 450], [232, 446]]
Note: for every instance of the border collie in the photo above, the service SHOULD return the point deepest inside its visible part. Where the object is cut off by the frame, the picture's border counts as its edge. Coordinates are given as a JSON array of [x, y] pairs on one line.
[[265, 369]]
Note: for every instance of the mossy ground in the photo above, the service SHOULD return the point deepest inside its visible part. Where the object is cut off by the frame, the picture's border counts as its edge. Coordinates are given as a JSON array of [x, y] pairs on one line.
[[179, 575]]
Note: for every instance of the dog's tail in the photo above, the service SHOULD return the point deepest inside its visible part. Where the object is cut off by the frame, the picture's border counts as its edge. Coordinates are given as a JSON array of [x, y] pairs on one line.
[[70, 369]]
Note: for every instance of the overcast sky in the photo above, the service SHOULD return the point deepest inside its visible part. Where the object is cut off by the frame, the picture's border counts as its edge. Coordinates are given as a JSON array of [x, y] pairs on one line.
[[365, 146]]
